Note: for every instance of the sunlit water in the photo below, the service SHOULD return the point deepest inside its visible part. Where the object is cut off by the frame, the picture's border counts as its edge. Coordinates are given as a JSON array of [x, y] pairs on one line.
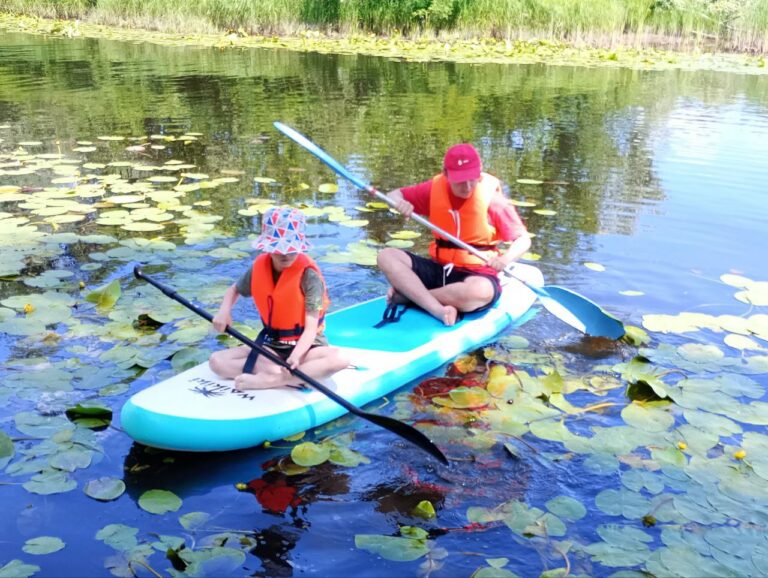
[[658, 177]]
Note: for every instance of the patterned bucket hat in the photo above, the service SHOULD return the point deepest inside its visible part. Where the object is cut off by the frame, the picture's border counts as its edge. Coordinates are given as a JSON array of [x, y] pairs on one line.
[[282, 231]]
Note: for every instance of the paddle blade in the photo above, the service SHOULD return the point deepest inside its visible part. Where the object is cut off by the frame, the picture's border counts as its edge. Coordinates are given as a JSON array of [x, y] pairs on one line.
[[579, 312], [409, 433]]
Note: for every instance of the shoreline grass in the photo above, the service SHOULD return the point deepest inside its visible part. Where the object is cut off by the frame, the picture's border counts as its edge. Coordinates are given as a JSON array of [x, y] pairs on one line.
[[626, 50], [720, 25]]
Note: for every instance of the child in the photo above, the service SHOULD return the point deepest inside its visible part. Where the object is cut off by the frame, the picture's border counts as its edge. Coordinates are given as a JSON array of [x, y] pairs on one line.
[[290, 294]]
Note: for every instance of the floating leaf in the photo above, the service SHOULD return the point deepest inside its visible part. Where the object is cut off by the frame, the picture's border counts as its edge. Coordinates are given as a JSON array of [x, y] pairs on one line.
[[18, 569], [159, 501], [310, 454], [594, 266], [42, 545], [545, 212], [405, 235], [328, 188], [194, 520], [424, 509], [392, 547], [529, 181], [566, 507], [104, 489], [105, 297]]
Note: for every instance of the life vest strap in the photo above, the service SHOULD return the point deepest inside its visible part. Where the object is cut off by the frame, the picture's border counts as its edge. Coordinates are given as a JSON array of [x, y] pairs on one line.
[[391, 314], [446, 244]]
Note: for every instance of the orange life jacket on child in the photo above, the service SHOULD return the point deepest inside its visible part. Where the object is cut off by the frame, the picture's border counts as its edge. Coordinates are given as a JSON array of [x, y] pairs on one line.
[[282, 305], [469, 223]]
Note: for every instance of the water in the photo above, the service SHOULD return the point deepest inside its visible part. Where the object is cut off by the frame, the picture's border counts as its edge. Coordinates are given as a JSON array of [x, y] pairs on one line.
[[657, 176]]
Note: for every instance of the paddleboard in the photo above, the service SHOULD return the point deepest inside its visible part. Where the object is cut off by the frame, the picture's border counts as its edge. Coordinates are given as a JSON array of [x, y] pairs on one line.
[[197, 411]]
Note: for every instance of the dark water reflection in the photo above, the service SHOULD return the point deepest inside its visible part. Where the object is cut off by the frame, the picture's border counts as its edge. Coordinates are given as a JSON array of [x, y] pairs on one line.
[[658, 176]]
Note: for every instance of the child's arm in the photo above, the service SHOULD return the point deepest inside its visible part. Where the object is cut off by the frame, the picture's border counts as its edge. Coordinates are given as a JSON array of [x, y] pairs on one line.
[[305, 341], [224, 315]]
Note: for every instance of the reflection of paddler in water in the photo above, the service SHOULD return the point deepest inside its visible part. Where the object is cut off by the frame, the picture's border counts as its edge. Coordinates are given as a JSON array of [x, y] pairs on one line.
[[289, 291]]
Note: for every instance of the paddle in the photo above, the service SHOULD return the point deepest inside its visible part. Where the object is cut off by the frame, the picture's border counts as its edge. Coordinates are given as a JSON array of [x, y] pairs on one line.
[[397, 427], [568, 306]]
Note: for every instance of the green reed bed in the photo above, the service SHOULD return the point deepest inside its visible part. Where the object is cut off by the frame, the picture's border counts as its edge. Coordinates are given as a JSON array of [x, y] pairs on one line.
[[740, 25]]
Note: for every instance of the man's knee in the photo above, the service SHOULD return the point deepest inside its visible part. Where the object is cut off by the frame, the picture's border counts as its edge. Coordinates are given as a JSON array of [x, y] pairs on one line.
[[481, 289]]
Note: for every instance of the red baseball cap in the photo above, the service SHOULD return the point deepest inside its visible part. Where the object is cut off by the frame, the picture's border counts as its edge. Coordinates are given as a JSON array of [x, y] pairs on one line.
[[462, 163]]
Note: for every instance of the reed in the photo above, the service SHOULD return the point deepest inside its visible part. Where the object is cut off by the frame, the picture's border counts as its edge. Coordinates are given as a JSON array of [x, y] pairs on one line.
[[725, 24]]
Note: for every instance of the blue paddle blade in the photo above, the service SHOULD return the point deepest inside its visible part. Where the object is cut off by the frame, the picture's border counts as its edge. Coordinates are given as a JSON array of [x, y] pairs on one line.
[[579, 312]]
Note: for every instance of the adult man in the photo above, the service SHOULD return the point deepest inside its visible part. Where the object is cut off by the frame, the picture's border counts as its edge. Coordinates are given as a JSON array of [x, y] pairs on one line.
[[469, 204]]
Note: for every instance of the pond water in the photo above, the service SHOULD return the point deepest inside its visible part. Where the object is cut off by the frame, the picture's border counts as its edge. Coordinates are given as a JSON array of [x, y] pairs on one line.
[[646, 193]]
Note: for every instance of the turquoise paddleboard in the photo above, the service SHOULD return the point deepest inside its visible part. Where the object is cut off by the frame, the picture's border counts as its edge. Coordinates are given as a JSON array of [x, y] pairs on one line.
[[197, 411]]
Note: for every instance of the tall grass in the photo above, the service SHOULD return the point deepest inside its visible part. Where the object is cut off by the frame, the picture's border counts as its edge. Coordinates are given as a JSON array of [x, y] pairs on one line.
[[724, 24]]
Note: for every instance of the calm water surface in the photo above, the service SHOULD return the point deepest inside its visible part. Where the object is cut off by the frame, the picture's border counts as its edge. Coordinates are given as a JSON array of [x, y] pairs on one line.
[[657, 176]]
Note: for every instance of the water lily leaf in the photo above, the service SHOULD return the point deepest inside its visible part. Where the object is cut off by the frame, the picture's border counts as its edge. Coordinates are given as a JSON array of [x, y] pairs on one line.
[[529, 181], [405, 234], [518, 203], [616, 556], [631, 505], [264, 180], [194, 520], [159, 501], [105, 297], [104, 489], [399, 243], [424, 509], [741, 342], [50, 482], [354, 223], [393, 547], [18, 569], [566, 507], [647, 418], [118, 536], [465, 398], [637, 480], [595, 266], [342, 456], [216, 561], [39, 426], [493, 572], [91, 416], [310, 454], [736, 280], [7, 450], [43, 545], [77, 457], [188, 357], [329, 188]]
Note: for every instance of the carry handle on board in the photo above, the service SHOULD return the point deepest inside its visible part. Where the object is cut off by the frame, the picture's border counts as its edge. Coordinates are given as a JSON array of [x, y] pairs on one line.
[[404, 430], [568, 306]]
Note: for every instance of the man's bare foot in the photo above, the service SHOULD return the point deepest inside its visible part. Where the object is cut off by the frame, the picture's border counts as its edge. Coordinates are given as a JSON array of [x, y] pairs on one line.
[[394, 297], [450, 314], [255, 381]]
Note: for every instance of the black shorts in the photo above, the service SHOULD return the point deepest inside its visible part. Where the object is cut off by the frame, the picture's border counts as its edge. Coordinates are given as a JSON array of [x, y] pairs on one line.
[[432, 274]]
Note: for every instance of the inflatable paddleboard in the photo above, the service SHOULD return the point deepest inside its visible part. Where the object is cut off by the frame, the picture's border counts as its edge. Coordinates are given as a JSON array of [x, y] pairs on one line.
[[197, 411]]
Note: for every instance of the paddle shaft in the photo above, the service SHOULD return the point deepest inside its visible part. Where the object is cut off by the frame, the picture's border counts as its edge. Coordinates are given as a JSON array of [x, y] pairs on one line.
[[395, 426]]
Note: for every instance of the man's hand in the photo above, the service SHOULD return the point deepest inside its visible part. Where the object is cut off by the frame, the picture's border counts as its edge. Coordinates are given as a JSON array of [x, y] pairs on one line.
[[499, 263], [404, 208]]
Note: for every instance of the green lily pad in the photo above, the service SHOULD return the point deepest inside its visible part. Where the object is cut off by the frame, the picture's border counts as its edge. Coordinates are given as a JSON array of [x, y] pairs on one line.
[[105, 489], [310, 454], [159, 501], [43, 545]]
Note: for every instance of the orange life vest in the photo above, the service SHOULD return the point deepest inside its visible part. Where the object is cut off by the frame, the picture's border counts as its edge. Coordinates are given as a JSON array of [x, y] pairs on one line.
[[469, 223], [282, 305]]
